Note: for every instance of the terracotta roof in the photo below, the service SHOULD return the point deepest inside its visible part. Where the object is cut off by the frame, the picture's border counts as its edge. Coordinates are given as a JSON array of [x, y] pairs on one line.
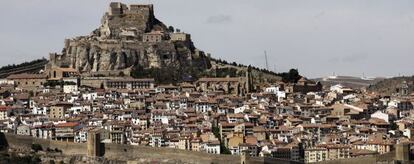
[[27, 76], [65, 69], [205, 79], [4, 108], [67, 124], [131, 80]]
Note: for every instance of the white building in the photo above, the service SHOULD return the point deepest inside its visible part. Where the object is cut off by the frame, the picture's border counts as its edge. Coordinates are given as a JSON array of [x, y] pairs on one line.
[[6, 81], [276, 90], [340, 89], [70, 85], [380, 115], [211, 147]]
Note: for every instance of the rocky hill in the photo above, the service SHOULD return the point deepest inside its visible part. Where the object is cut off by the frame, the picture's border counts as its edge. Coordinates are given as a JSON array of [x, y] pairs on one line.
[[129, 39], [132, 41]]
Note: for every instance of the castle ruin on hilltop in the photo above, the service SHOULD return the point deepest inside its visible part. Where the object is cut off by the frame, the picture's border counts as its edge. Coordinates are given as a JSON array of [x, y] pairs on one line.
[[129, 36]]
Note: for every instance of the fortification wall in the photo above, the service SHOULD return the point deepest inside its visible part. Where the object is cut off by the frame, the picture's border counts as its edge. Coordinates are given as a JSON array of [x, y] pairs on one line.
[[120, 152], [366, 160], [24, 143], [131, 153], [383, 158]]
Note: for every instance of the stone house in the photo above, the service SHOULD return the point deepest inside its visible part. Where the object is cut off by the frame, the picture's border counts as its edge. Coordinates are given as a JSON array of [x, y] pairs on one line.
[[58, 110], [153, 37], [304, 86], [180, 36]]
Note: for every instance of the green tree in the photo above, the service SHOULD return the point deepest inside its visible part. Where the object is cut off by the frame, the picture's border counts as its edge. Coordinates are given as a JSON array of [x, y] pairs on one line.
[[37, 147], [170, 29]]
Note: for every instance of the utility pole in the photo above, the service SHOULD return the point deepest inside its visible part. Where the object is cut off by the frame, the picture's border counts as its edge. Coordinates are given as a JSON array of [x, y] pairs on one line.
[[267, 64]]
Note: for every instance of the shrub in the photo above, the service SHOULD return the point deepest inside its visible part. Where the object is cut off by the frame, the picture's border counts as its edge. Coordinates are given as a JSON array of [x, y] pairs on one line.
[[37, 147]]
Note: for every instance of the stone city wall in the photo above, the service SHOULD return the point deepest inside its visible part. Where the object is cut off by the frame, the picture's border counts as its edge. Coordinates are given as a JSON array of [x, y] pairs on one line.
[[131, 153]]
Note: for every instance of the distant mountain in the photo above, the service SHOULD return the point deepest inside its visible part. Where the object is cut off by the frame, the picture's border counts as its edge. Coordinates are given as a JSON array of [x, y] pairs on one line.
[[348, 81]]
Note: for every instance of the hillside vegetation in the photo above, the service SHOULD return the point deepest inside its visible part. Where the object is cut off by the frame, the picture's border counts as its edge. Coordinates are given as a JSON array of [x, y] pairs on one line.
[[389, 86], [26, 67]]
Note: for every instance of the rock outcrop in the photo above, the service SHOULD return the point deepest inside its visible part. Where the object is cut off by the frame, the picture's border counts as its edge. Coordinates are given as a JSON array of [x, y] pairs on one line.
[[129, 37]]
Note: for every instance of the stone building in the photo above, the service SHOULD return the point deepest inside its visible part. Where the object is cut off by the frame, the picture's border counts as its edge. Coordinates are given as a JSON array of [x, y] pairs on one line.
[[28, 81], [94, 143], [180, 36], [130, 84], [228, 85], [23, 130], [126, 39], [316, 155], [58, 110], [403, 89], [153, 37], [304, 86], [59, 73], [67, 131], [5, 112]]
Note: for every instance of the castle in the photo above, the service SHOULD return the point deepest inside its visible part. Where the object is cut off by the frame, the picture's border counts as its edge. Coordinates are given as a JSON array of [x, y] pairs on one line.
[[129, 36]]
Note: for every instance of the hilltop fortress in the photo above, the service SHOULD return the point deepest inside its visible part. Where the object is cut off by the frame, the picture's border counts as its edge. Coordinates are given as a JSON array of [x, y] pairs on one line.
[[129, 36]]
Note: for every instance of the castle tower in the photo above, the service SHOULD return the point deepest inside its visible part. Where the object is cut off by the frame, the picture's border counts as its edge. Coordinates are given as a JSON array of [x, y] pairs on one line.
[[402, 153], [94, 144], [403, 89]]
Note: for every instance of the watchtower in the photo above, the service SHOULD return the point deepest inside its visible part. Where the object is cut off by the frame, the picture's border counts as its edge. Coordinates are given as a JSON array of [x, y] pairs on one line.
[[402, 153], [94, 144], [404, 89], [116, 8]]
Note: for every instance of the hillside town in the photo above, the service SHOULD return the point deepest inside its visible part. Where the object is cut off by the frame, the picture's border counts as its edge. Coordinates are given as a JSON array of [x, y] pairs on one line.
[[136, 81], [300, 121]]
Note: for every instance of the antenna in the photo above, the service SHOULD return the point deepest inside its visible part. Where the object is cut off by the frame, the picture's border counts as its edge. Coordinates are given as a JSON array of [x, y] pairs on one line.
[[267, 65]]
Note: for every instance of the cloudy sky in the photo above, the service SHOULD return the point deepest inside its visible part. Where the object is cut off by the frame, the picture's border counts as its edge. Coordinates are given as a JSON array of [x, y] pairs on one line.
[[319, 37]]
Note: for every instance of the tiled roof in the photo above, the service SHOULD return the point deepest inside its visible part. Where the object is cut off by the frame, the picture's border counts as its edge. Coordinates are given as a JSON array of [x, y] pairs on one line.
[[27, 76], [67, 124]]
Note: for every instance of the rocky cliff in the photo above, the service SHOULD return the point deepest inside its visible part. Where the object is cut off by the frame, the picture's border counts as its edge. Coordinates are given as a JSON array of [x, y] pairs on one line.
[[130, 37]]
